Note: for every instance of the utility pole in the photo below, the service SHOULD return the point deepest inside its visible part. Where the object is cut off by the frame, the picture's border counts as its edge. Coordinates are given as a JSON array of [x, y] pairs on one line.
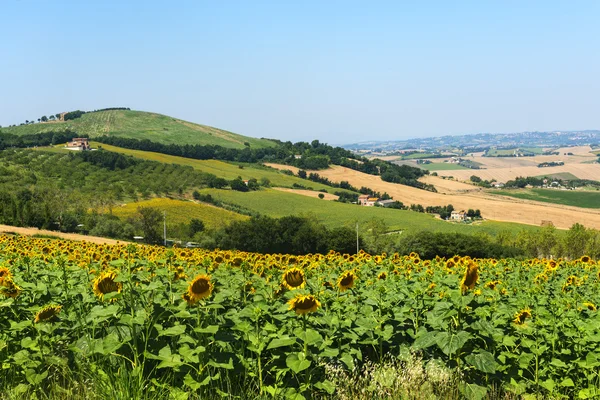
[[357, 250], [165, 227]]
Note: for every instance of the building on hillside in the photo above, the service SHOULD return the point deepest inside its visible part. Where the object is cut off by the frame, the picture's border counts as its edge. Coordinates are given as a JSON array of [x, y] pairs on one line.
[[458, 215], [385, 203], [371, 201], [499, 185], [297, 156], [79, 144], [362, 199]]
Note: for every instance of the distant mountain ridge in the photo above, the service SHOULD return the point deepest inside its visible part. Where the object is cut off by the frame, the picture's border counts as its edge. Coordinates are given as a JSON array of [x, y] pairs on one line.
[[482, 140], [143, 125]]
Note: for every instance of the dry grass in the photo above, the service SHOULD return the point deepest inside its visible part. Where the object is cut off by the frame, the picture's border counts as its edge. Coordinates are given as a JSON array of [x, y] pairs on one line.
[[492, 207], [6, 229]]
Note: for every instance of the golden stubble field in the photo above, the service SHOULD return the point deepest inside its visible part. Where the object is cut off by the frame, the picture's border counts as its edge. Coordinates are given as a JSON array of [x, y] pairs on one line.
[[493, 207], [503, 169]]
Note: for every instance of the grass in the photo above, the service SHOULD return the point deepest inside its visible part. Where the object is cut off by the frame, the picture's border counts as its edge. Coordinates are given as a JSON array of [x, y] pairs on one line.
[[441, 167], [179, 211], [567, 176], [144, 125], [418, 156], [576, 198], [333, 214]]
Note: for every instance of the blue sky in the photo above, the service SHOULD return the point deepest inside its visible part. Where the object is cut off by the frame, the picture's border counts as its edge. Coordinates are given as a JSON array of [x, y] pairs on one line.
[[339, 71]]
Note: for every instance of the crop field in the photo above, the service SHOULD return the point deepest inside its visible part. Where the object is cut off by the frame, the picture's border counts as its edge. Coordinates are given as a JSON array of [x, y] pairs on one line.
[[275, 203], [179, 212], [440, 166], [125, 321], [567, 176], [492, 207], [224, 169], [575, 198], [507, 152], [144, 125]]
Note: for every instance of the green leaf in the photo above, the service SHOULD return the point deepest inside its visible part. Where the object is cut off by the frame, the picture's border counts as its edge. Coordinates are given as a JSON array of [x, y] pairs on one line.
[[310, 336], [34, 378], [326, 385], [425, 340], [472, 391], [296, 362], [451, 343], [548, 384], [568, 382], [484, 361], [212, 329], [173, 331], [557, 362], [191, 382], [228, 365], [281, 342]]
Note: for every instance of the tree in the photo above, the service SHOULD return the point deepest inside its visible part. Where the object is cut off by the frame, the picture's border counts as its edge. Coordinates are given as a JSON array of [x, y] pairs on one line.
[[196, 226], [576, 240], [321, 196], [149, 220], [57, 116], [52, 118], [302, 174], [44, 119], [239, 185]]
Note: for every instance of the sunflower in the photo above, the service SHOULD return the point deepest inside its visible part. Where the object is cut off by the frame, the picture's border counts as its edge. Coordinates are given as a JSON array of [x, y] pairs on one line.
[[304, 304], [382, 275], [4, 273], [200, 288], [293, 278], [589, 306], [9, 288], [492, 284], [47, 313], [346, 280], [585, 259], [470, 278], [105, 283], [521, 316]]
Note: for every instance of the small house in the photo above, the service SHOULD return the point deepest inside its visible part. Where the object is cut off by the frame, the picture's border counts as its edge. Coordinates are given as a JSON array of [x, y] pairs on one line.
[[362, 199], [79, 144], [458, 215], [371, 201], [499, 185]]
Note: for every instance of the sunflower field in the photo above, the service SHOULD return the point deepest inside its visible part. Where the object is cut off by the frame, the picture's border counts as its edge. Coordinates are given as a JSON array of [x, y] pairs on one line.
[[208, 324]]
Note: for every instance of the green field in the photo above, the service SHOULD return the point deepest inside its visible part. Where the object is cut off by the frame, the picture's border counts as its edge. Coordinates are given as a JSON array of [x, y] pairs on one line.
[[219, 168], [567, 176], [418, 156], [441, 167], [507, 152], [576, 198], [278, 204], [144, 125], [179, 211]]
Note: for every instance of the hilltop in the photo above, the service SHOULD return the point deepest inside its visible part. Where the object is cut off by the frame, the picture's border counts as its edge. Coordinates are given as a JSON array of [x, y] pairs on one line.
[[143, 125]]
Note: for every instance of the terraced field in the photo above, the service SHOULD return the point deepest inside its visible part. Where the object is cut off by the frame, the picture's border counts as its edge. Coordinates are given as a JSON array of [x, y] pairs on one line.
[[144, 125]]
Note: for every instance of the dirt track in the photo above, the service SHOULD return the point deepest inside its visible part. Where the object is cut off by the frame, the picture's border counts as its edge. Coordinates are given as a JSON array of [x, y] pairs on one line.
[[68, 236], [497, 208]]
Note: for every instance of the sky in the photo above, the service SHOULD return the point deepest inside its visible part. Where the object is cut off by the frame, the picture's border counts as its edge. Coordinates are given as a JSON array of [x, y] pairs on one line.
[[337, 71]]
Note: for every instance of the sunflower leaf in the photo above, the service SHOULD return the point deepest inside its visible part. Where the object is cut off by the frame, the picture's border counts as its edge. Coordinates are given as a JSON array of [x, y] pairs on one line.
[[451, 343], [281, 342], [484, 361], [173, 331], [297, 363]]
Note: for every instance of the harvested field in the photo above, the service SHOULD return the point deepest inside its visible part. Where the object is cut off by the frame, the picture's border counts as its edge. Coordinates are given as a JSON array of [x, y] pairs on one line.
[[581, 171], [62, 235], [492, 207], [309, 193]]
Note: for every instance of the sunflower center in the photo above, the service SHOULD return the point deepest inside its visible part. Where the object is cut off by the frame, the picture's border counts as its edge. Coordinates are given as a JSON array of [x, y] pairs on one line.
[[200, 286]]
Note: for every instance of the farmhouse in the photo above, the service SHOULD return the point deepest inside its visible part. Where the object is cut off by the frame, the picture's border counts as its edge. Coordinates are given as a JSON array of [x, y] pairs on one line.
[[385, 203], [458, 215], [371, 201], [78, 144], [499, 185]]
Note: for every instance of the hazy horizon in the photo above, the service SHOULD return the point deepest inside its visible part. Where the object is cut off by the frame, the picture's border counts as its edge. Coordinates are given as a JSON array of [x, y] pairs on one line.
[[340, 72]]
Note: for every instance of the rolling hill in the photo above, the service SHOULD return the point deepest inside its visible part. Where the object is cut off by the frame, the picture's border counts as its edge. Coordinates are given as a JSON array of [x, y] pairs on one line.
[[144, 125]]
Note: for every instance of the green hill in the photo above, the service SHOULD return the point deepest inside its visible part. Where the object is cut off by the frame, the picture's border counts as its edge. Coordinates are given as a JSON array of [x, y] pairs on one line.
[[144, 125]]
